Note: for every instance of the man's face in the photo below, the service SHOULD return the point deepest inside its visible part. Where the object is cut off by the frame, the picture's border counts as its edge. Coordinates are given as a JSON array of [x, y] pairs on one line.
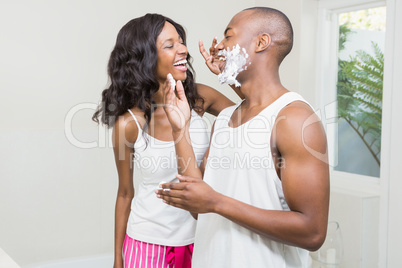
[[237, 32]]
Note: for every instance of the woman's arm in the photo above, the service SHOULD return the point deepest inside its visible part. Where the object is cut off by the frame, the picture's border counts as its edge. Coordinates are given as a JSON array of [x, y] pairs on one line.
[[125, 133], [214, 101], [179, 115]]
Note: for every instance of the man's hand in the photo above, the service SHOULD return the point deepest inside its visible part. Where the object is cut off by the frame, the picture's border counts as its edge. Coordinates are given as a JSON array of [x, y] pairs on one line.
[[176, 107], [211, 59], [191, 194]]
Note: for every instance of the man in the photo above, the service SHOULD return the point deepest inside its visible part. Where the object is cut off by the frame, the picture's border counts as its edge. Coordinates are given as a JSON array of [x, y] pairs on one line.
[[265, 194]]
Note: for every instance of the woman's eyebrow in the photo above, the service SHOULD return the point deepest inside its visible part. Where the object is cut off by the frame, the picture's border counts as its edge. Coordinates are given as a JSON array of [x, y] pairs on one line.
[[168, 40], [171, 40]]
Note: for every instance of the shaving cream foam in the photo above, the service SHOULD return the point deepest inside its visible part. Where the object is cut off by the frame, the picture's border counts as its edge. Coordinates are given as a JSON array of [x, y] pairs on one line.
[[236, 61], [171, 80]]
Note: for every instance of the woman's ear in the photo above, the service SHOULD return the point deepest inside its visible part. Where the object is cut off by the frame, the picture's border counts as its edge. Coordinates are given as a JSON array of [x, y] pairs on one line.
[[263, 42]]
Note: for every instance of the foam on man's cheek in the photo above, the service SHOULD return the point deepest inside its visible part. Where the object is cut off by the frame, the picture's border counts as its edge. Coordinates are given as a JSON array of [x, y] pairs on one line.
[[236, 61]]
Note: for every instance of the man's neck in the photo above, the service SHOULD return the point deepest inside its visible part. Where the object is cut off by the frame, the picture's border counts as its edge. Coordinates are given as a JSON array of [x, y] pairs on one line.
[[262, 90]]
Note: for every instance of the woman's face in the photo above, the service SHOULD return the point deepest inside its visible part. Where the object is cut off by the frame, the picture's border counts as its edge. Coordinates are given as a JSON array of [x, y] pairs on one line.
[[172, 54]]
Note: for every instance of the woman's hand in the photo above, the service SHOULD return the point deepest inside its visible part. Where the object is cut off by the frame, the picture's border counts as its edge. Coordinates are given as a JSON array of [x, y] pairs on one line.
[[214, 62], [211, 59], [176, 106]]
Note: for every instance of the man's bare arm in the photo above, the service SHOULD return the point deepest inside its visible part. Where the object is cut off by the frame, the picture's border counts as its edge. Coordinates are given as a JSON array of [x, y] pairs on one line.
[[305, 181]]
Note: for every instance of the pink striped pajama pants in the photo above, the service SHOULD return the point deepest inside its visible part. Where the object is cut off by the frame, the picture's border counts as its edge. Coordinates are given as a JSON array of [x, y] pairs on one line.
[[137, 254]]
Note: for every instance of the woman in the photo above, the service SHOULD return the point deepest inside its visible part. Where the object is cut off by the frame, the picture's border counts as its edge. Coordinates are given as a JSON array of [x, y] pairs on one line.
[[147, 49]]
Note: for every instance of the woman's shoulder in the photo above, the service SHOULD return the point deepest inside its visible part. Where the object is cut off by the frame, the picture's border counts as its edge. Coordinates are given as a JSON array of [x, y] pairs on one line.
[[137, 113], [129, 123]]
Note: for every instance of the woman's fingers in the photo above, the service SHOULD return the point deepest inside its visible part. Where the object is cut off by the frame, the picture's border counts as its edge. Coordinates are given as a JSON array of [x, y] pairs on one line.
[[169, 90], [209, 58], [203, 52], [171, 80], [180, 91], [212, 49], [169, 98]]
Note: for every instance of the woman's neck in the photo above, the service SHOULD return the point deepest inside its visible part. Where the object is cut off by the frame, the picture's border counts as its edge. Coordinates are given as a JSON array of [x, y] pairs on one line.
[[158, 96]]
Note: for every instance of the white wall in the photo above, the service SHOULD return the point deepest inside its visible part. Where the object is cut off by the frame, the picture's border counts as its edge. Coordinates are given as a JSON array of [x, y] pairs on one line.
[[289, 69], [57, 200], [391, 216], [296, 70]]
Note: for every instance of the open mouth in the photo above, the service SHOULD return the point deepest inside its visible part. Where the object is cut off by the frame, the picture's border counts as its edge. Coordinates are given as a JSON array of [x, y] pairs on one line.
[[181, 65]]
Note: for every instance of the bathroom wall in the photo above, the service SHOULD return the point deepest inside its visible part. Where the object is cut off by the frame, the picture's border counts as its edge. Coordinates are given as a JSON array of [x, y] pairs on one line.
[[295, 70]]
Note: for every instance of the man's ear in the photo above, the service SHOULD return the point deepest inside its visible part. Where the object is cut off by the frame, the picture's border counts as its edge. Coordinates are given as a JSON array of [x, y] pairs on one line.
[[263, 42]]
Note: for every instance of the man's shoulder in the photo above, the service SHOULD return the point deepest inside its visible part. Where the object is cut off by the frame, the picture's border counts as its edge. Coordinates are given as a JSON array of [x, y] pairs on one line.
[[297, 109], [297, 125]]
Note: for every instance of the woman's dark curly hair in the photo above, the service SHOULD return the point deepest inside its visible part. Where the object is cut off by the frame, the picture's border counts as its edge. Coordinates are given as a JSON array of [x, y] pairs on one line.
[[132, 71]]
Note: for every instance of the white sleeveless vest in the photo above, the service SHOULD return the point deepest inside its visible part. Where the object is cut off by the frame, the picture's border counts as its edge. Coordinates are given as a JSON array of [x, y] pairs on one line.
[[240, 166], [150, 219]]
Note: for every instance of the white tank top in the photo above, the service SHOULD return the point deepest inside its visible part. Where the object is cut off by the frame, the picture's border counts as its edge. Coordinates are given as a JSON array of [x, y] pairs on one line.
[[240, 166], [150, 219]]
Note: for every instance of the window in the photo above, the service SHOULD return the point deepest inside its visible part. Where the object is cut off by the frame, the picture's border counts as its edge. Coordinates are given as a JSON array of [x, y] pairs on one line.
[[328, 55], [359, 90], [351, 67]]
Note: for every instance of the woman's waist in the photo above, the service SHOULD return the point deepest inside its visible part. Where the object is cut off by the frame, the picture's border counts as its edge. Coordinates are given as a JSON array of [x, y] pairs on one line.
[[157, 224]]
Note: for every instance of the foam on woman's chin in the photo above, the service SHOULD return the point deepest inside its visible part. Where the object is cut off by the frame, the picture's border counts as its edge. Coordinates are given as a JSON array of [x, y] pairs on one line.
[[236, 62]]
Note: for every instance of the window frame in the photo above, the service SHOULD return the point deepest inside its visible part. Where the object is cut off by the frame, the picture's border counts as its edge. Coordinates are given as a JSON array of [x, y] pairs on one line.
[[327, 62], [389, 235]]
